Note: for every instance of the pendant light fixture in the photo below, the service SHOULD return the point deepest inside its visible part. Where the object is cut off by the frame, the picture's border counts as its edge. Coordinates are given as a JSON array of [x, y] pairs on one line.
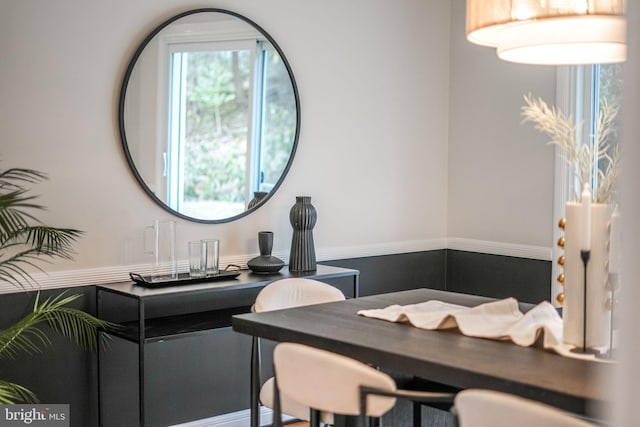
[[550, 31]]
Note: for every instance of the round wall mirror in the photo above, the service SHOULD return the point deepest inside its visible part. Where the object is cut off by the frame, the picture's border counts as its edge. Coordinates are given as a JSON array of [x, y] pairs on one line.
[[209, 115]]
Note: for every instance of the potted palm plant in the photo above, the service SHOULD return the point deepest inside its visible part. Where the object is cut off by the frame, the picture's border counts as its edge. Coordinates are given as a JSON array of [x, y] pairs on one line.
[[24, 243]]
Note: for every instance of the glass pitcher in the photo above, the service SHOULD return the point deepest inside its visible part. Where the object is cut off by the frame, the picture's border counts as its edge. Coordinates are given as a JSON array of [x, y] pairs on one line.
[[160, 241]]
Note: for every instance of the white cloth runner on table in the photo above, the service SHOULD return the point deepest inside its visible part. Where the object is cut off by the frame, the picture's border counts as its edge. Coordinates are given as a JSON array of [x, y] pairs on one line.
[[500, 319]]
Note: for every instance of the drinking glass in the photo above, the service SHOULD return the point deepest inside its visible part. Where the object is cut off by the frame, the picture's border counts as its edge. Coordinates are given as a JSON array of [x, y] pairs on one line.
[[212, 256], [197, 258]]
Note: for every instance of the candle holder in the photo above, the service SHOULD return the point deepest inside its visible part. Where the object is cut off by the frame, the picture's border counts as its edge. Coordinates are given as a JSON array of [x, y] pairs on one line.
[[585, 282], [585, 255]]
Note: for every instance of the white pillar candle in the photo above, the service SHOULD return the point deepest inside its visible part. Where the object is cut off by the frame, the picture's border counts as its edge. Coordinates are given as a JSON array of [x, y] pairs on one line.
[[572, 309], [585, 223], [598, 318]]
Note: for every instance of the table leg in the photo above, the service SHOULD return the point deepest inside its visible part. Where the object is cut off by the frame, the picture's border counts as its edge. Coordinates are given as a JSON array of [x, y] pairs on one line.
[[99, 359], [141, 337], [255, 382], [345, 421]]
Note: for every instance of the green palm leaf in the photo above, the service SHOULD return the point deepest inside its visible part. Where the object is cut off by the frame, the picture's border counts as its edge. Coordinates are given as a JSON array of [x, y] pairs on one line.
[[26, 335], [13, 199], [30, 244], [77, 325], [14, 177], [11, 393], [23, 336], [24, 243]]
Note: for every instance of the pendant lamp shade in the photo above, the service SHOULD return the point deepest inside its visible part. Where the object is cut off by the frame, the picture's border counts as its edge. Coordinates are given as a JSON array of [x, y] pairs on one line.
[[550, 31]]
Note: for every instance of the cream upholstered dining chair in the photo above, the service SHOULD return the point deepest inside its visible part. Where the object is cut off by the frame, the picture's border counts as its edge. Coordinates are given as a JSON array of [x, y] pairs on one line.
[[331, 383], [281, 294], [488, 408]]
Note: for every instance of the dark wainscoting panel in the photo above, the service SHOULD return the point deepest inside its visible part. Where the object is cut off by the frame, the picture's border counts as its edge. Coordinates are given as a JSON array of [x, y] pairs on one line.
[[389, 273], [528, 280], [61, 373], [65, 374]]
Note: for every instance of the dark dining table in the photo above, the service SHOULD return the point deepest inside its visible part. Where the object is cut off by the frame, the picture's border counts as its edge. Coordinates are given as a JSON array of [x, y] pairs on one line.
[[443, 356]]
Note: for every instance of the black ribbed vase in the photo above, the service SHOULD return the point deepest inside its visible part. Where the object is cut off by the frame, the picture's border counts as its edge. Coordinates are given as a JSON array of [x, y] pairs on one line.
[[303, 218]]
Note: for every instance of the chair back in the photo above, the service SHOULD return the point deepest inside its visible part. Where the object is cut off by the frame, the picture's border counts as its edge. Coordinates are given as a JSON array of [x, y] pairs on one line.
[[329, 382], [487, 408], [295, 292]]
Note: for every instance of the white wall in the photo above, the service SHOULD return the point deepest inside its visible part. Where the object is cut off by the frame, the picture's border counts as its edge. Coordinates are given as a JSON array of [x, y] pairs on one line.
[[628, 381], [373, 79], [500, 173], [409, 133]]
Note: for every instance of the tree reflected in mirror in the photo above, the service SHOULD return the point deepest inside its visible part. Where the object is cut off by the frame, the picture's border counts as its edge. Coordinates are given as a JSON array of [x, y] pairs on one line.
[[209, 115]]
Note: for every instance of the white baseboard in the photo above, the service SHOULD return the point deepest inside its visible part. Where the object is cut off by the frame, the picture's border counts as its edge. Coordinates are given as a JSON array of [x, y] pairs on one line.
[[234, 419], [95, 276]]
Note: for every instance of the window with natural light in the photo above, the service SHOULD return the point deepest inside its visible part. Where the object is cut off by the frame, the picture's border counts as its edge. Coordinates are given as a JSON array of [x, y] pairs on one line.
[[231, 117], [592, 96]]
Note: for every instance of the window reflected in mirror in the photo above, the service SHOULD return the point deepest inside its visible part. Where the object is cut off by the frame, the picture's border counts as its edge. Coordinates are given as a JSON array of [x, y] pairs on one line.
[[209, 115]]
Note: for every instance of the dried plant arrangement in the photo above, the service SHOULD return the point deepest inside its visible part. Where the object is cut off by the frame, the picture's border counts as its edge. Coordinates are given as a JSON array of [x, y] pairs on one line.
[[584, 160]]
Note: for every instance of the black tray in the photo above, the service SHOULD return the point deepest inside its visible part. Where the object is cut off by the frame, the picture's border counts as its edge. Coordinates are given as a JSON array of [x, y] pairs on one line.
[[183, 279]]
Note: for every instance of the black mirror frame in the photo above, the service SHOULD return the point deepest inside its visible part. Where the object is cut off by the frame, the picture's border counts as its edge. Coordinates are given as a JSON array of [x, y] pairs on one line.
[[123, 136]]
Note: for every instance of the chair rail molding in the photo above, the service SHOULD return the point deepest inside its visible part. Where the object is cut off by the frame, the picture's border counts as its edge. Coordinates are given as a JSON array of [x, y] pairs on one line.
[[112, 274], [542, 253]]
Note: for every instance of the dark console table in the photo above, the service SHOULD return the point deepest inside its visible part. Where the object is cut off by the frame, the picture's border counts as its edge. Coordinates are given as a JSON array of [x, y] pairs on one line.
[[160, 315]]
